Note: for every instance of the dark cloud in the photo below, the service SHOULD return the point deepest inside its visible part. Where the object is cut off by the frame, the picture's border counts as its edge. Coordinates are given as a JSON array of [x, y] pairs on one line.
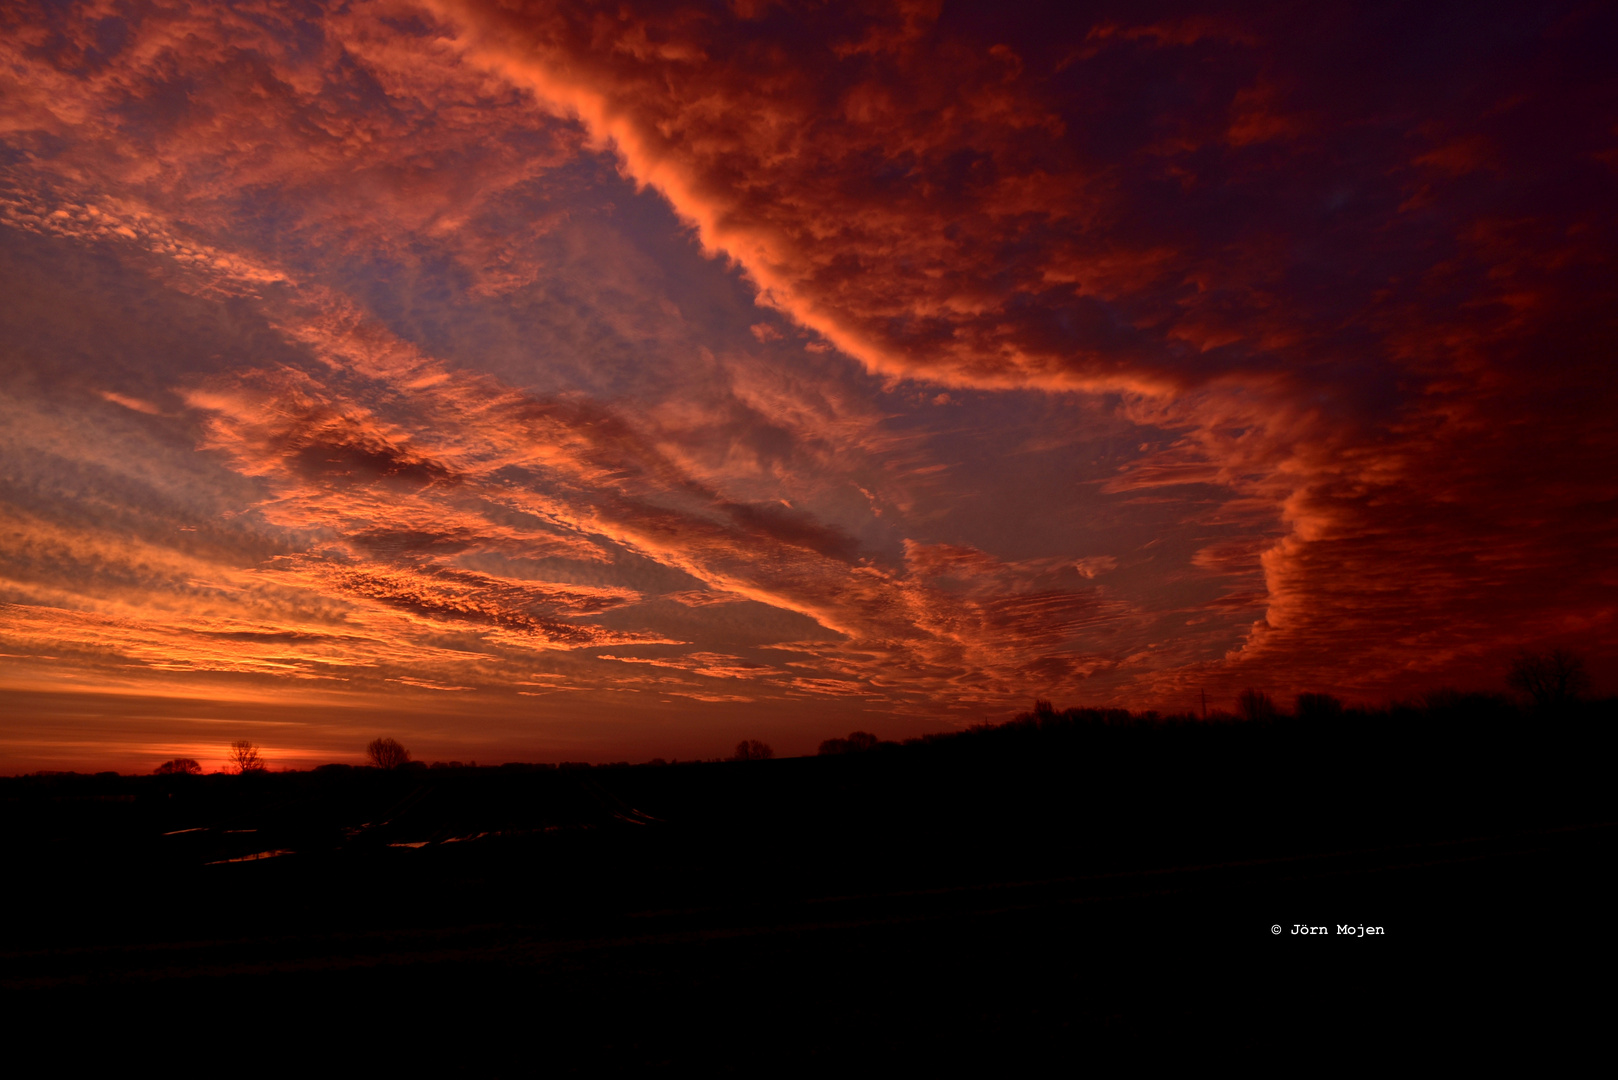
[[1322, 244]]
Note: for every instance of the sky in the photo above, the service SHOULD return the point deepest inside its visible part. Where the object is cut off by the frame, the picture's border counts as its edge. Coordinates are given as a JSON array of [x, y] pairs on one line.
[[608, 381]]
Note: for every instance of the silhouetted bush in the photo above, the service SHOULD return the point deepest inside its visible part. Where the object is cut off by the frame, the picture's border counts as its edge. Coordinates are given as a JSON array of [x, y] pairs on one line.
[[180, 766]]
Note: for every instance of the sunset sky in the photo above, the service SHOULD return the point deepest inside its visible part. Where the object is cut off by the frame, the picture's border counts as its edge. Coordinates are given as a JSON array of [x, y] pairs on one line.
[[602, 381]]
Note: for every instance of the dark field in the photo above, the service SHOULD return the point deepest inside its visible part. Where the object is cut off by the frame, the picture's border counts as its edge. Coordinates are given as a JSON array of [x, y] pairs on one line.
[[1037, 894]]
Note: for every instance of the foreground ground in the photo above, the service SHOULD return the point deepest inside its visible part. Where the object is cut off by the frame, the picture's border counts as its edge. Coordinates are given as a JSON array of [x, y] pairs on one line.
[[1034, 895]]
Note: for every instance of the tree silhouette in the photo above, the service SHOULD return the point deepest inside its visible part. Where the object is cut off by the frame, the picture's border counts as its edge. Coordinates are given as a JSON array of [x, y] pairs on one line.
[[857, 742], [1254, 704], [1552, 680], [752, 750], [386, 753], [245, 757], [1316, 707], [180, 766]]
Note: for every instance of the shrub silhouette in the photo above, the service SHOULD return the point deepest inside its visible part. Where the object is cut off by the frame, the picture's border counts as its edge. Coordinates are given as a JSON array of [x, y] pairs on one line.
[[752, 750], [386, 753], [180, 766], [1254, 704], [245, 757], [1551, 680]]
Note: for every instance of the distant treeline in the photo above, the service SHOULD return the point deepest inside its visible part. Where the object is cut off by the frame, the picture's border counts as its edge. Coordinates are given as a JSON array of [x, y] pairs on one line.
[[1552, 689], [1255, 710]]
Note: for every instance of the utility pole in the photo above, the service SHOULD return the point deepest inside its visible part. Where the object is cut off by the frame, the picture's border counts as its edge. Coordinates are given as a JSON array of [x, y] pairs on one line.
[[1205, 704]]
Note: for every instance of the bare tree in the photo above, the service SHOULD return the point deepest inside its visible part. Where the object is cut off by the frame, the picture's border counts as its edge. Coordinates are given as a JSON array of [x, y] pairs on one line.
[[752, 750], [245, 757], [1552, 680], [1253, 704], [386, 753], [180, 766]]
